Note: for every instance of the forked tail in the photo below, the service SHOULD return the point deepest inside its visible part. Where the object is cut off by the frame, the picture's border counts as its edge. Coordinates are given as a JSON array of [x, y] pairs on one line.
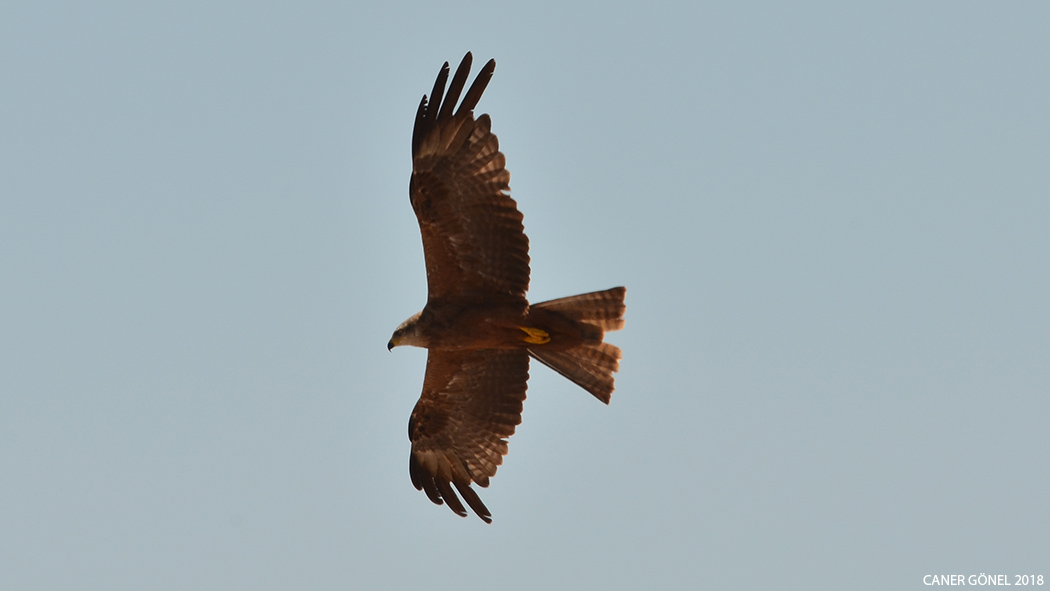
[[591, 363]]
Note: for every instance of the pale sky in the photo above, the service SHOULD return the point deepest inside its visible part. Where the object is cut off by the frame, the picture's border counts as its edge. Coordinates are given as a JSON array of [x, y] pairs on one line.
[[832, 222]]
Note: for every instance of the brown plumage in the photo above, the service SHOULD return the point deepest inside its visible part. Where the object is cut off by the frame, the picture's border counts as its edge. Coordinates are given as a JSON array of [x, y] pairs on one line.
[[477, 325]]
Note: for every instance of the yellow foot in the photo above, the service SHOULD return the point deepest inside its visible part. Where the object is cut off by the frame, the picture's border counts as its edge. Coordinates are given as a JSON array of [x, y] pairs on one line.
[[535, 336]]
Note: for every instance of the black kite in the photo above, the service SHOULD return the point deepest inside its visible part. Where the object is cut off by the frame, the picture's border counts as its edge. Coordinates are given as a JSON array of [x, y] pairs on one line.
[[477, 325]]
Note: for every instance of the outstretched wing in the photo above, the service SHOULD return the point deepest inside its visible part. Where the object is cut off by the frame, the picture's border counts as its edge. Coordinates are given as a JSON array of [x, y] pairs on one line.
[[473, 238], [470, 405]]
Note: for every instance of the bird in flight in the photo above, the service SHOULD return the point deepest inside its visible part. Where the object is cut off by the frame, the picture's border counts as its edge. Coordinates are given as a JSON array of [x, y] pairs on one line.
[[478, 327]]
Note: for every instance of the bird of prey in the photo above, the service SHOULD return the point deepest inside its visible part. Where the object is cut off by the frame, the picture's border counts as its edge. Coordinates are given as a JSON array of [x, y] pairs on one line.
[[477, 325]]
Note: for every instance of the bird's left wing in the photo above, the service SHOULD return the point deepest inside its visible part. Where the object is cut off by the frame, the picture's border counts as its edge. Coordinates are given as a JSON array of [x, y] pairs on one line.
[[470, 405], [473, 238]]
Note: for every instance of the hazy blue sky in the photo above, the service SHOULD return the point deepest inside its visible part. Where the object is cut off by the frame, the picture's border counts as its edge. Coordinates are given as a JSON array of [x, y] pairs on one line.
[[833, 221]]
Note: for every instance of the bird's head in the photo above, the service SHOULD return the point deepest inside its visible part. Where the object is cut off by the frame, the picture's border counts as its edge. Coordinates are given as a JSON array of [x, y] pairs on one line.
[[407, 334]]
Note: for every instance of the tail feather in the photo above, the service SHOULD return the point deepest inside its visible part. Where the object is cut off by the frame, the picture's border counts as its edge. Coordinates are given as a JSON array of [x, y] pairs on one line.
[[590, 364], [603, 309]]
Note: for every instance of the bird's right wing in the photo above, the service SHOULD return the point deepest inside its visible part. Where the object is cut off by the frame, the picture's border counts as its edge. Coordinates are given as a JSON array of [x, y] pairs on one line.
[[470, 405]]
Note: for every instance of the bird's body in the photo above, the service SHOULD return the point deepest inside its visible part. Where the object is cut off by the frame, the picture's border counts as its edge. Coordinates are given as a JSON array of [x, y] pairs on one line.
[[478, 326]]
